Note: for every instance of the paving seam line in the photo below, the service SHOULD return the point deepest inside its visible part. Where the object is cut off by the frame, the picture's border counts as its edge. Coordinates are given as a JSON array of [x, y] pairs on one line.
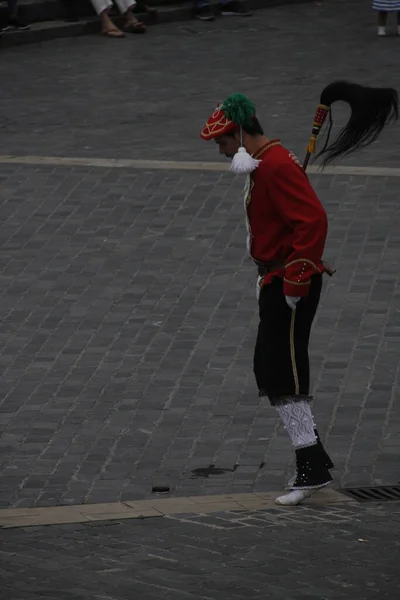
[[120, 163]]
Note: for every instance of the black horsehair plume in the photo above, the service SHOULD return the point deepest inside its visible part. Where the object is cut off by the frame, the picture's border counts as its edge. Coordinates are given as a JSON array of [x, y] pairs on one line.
[[371, 110]]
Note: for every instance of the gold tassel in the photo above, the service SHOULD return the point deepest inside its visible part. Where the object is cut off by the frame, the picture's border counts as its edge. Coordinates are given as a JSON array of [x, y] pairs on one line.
[[312, 145]]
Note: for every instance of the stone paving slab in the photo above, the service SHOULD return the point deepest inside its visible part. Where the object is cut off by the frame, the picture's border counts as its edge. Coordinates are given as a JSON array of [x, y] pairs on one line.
[[148, 96], [159, 507], [127, 327], [324, 553], [183, 165]]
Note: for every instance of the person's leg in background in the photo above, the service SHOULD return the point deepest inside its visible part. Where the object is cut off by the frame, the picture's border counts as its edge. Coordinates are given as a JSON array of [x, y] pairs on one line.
[[382, 22], [13, 21], [108, 28], [132, 25]]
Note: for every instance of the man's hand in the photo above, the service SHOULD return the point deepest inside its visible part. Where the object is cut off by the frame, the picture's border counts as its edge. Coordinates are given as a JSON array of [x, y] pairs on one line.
[[291, 301]]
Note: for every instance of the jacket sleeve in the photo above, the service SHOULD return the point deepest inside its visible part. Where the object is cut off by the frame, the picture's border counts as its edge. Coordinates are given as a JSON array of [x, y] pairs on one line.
[[299, 206]]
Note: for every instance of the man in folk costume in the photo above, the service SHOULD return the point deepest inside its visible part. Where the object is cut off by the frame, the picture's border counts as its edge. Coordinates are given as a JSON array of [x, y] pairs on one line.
[[287, 230]]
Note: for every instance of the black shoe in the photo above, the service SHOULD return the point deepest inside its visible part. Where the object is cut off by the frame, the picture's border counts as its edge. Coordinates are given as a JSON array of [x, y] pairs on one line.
[[235, 8], [15, 24], [204, 13], [311, 469], [326, 458]]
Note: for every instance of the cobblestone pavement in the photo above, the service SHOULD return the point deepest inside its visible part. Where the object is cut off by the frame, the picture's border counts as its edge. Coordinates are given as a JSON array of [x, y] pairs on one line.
[[148, 96], [127, 318], [128, 314], [336, 553], [128, 323]]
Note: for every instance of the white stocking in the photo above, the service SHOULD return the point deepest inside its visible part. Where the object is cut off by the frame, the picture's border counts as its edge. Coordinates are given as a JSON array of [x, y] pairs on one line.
[[299, 423]]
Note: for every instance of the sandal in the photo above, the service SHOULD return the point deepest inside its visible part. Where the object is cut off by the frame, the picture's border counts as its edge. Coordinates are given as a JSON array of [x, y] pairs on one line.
[[135, 27], [113, 33]]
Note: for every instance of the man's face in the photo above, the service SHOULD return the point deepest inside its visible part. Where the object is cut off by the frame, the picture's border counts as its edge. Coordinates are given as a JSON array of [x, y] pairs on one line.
[[228, 145]]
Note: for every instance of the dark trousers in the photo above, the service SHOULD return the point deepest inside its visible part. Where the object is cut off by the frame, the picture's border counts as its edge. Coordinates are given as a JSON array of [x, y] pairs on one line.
[[12, 7], [281, 363]]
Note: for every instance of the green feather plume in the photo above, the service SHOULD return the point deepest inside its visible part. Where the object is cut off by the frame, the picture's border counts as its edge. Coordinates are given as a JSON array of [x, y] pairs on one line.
[[238, 108]]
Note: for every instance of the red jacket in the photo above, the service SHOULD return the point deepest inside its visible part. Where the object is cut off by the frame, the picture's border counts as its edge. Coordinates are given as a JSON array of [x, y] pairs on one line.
[[287, 222]]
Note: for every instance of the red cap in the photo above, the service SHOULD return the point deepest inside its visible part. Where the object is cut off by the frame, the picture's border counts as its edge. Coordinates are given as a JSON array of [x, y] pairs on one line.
[[218, 124]]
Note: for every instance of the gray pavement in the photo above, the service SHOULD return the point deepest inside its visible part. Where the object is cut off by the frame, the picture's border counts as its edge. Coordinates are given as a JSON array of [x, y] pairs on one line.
[[335, 554], [128, 323], [128, 315], [147, 96]]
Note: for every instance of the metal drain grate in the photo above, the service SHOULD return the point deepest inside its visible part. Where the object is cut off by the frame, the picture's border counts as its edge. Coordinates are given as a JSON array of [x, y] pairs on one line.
[[369, 494]]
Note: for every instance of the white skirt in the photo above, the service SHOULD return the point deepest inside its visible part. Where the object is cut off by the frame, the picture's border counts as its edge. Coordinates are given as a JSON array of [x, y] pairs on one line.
[[102, 5], [386, 5]]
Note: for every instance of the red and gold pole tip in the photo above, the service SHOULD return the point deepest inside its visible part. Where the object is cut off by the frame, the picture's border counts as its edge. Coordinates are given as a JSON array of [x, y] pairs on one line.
[[319, 119]]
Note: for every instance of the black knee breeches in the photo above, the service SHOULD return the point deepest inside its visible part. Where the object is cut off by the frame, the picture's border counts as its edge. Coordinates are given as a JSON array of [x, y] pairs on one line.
[[281, 364]]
